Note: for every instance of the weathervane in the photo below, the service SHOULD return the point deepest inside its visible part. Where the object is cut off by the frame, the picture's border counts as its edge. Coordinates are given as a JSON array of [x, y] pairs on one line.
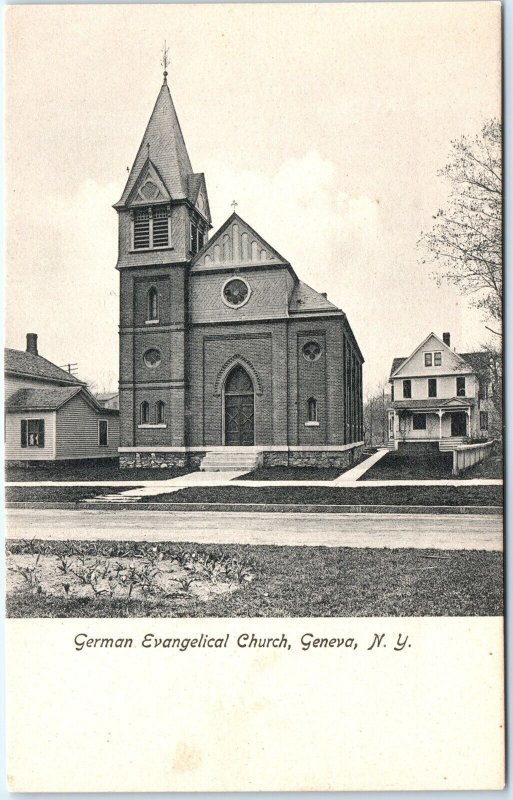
[[165, 60]]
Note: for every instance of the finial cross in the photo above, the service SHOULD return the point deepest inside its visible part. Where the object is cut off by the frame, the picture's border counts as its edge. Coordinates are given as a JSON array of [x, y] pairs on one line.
[[165, 60], [234, 205]]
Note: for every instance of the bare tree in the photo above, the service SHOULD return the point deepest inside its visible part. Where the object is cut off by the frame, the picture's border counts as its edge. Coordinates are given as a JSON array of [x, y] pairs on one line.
[[375, 417], [465, 242]]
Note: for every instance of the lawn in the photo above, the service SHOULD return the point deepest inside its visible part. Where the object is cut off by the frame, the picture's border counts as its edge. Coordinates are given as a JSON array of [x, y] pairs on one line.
[[258, 581], [337, 495], [108, 470], [405, 465], [293, 474], [56, 494]]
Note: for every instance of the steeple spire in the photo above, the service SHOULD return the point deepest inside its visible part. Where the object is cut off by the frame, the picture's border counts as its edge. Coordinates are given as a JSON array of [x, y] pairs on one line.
[[165, 61]]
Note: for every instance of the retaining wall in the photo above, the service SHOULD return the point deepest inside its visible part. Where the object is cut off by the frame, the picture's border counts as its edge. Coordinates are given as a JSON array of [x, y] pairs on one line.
[[467, 455]]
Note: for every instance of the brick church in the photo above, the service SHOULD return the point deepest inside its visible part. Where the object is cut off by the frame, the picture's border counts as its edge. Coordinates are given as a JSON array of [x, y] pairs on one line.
[[227, 359]]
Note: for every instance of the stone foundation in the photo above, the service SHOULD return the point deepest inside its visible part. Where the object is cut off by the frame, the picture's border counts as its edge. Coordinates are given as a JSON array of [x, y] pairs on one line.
[[159, 460], [313, 458]]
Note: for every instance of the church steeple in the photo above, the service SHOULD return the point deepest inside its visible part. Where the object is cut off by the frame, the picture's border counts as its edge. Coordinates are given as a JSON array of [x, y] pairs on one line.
[[162, 144]]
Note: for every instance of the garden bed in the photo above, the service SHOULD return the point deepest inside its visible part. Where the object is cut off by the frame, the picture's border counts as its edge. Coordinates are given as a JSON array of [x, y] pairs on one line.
[[249, 581]]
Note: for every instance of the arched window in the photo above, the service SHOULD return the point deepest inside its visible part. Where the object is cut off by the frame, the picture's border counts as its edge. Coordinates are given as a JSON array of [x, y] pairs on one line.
[[153, 304], [145, 413], [160, 412], [312, 409]]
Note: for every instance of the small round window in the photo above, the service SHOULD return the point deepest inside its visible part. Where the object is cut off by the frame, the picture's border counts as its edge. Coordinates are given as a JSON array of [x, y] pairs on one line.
[[236, 292], [152, 357], [312, 351]]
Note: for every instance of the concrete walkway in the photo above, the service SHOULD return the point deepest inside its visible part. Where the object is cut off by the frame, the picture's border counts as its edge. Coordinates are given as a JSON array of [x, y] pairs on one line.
[[356, 472], [429, 531]]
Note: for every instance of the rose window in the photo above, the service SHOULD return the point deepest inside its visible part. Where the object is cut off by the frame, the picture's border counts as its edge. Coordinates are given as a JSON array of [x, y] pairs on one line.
[[235, 292], [312, 351], [152, 357]]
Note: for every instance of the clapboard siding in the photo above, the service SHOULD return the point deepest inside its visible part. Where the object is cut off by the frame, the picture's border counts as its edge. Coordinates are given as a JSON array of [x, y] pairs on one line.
[[77, 431], [13, 449]]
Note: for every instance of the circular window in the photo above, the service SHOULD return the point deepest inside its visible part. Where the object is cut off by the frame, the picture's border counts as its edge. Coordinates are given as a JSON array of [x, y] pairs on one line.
[[152, 357], [312, 351], [236, 292]]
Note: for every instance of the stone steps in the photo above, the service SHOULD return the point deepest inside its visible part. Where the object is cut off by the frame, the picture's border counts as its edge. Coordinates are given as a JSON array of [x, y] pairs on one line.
[[231, 461]]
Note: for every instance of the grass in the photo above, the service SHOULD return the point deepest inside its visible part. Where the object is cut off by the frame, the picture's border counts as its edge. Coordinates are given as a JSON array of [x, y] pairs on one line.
[[299, 582], [92, 471], [337, 495], [294, 474], [405, 465], [55, 494]]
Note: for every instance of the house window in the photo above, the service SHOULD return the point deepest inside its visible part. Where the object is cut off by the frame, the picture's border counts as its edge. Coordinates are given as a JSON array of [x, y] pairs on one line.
[[103, 433], [483, 420], [428, 359], [160, 412], [392, 392], [312, 410], [431, 387], [419, 422], [483, 391], [153, 304], [460, 387], [151, 227], [407, 388], [438, 359], [32, 433], [145, 413]]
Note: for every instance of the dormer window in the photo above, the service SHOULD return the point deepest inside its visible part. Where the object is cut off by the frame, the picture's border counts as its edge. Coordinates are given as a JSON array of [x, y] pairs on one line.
[[151, 227]]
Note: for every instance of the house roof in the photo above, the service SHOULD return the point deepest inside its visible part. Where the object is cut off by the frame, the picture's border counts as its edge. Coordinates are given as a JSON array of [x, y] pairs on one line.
[[166, 150], [305, 299], [20, 362], [102, 396], [432, 402], [396, 363], [45, 398]]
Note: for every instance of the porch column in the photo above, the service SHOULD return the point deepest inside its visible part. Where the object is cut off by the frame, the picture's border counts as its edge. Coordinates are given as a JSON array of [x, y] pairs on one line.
[[469, 432], [440, 413]]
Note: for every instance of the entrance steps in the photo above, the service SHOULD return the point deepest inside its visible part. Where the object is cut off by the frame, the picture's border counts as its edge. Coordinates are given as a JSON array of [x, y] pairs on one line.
[[452, 443], [231, 460]]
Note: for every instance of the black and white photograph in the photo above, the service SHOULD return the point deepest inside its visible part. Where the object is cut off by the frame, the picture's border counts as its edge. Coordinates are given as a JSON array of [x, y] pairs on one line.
[[253, 363]]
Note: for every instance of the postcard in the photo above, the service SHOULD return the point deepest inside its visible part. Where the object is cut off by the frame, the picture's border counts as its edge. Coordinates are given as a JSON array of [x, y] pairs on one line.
[[253, 397]]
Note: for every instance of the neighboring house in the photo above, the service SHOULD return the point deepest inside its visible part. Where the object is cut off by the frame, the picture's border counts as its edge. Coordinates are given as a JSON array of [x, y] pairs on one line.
[[439, 395], [50, 415], [108, 399], [222, 346]]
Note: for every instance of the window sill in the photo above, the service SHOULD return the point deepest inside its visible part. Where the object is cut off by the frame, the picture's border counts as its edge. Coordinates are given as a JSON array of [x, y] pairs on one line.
[[157, 425], [312, 424], [152, 322]]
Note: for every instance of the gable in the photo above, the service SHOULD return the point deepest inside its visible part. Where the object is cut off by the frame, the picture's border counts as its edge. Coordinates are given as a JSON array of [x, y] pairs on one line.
[[414, 365], [236, 244], [149, 188], [197, 194]]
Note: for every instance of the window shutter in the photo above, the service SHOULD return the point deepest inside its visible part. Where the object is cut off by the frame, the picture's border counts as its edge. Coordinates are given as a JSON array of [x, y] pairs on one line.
[[23, 432], [41, 433], [142, 229], [160, 227]]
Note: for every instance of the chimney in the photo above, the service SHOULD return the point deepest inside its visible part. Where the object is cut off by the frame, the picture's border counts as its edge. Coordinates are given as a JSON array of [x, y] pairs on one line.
[[447, 339], [325, 295], [32, 343]]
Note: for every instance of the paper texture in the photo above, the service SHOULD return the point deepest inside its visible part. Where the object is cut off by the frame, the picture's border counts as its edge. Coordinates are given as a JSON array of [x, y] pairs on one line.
[[254, 542]]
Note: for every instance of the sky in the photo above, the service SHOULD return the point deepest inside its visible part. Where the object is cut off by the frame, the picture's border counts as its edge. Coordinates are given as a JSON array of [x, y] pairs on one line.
[[326, 123]]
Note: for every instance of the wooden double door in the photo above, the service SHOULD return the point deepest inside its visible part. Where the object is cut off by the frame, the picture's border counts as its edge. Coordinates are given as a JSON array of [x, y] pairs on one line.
[[239, 409]]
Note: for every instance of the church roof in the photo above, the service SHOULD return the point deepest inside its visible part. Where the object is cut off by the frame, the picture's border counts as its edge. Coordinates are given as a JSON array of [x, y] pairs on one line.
[[166, 150], [27, 364], [305, 299]]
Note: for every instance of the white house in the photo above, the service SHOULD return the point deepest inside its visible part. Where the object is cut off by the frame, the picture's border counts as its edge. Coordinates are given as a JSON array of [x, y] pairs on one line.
[[439, 395], [50, 415]]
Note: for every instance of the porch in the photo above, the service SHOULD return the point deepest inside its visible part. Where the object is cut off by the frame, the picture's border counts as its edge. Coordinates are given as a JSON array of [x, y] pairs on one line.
[[448, 423]]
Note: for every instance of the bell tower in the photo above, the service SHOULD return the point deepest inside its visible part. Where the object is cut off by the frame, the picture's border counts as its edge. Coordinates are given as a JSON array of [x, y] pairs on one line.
[[164, 219]]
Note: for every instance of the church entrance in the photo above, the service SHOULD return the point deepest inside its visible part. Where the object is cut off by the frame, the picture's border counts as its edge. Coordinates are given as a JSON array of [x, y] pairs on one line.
[[239, 409]]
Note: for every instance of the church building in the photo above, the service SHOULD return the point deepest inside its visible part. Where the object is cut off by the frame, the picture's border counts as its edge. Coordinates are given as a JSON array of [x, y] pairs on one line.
[[227, 359]]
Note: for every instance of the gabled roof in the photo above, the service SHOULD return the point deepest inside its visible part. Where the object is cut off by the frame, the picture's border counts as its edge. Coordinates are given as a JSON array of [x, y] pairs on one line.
[[236, 244], [396, 363], [196, 183], [441, 344], [166, 150], [19, 362], [305, 299], [45, 398]]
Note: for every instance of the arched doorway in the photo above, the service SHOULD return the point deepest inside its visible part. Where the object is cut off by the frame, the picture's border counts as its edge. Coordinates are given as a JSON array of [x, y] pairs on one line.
[[239, 408]]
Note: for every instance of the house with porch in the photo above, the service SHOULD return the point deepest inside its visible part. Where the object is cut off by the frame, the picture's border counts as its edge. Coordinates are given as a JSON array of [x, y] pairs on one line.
[[438, 396]]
